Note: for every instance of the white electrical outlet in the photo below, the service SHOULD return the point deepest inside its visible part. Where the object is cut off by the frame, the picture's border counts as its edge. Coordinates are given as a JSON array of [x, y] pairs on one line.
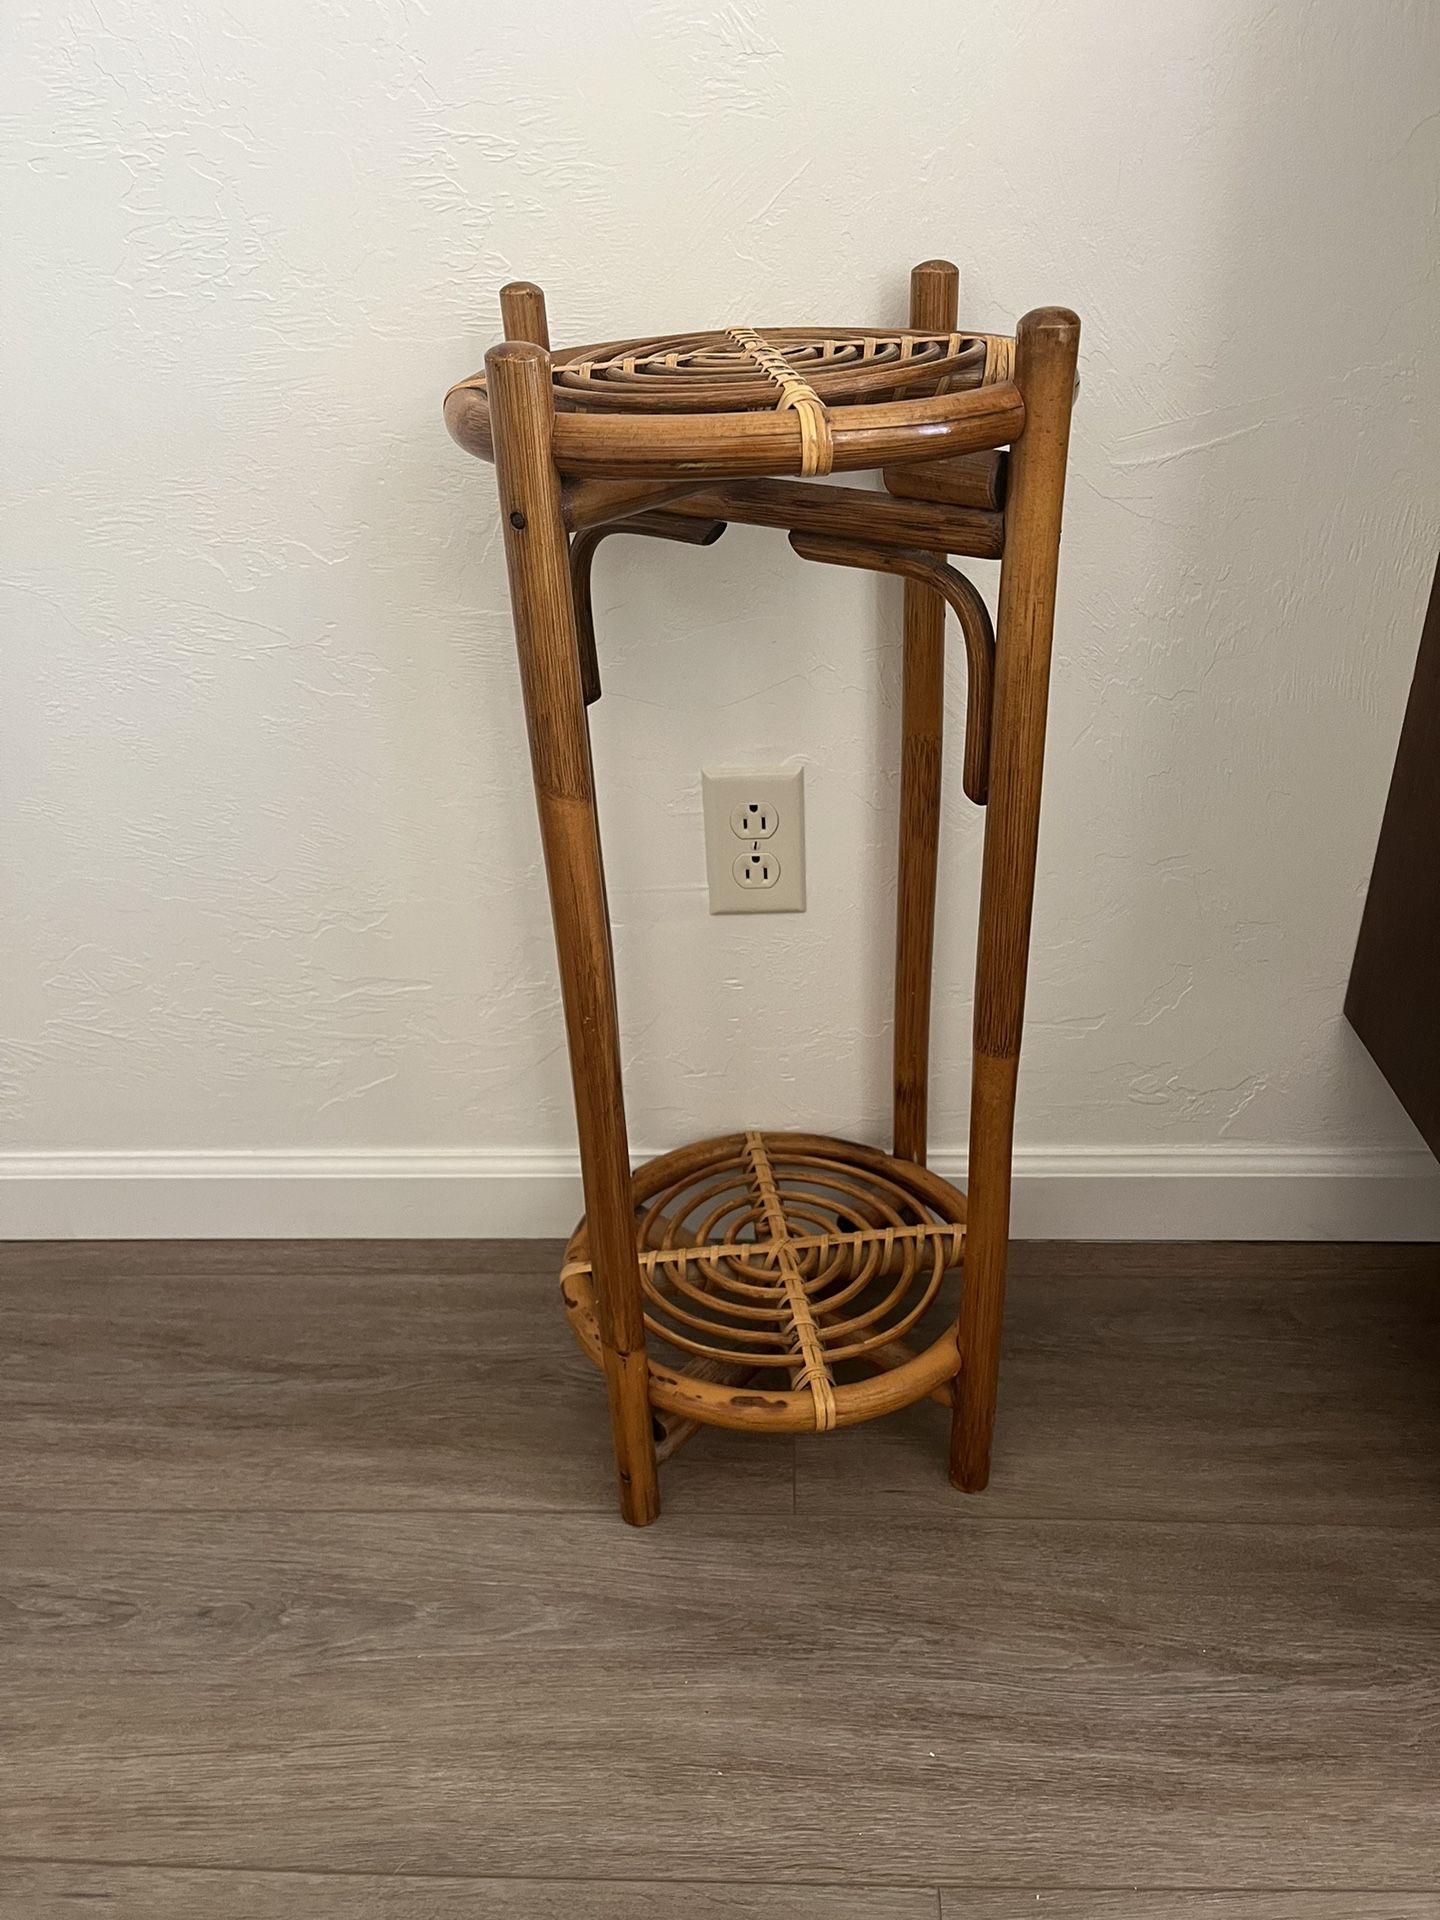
[[755, 838]]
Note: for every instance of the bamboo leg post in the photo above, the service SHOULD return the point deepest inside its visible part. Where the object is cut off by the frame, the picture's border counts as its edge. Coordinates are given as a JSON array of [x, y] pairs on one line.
[[934, 297], [522, 313], [536, 554], [1047, 346]]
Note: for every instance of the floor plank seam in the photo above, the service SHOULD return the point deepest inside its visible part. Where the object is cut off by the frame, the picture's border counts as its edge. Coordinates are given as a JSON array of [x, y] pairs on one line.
[[889, 1517], [1030, 1885], [494, 1879]]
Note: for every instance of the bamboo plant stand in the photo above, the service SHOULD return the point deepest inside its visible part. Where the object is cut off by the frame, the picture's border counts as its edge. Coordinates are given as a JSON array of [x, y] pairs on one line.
[[768, 1281]]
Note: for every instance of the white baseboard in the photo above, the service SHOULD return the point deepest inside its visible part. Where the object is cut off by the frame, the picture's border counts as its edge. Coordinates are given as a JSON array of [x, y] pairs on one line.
[[1083, 1193]]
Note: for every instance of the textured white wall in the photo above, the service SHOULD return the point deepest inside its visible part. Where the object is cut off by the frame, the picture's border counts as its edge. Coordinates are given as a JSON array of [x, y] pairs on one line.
[[271, 868]]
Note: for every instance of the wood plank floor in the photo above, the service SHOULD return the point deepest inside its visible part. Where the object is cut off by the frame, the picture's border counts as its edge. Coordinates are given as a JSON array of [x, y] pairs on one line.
[[313, 1602]]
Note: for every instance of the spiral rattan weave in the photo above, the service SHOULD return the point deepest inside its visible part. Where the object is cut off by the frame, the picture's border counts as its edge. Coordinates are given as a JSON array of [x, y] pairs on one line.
[[724, 372], [768, 1261]]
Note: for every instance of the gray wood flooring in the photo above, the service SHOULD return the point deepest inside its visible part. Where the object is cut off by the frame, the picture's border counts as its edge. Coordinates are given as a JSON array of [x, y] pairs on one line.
[[313, 1602]]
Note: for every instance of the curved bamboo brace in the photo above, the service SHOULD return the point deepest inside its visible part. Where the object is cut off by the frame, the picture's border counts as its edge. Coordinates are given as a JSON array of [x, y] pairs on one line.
[[969, 609], [659, 526]]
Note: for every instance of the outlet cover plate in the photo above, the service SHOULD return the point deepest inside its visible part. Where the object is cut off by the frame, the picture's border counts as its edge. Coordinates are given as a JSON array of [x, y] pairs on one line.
[[730, 795]]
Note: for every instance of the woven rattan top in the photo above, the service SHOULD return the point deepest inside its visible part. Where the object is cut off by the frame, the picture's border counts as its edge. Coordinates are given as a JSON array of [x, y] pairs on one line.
[[767, 400]]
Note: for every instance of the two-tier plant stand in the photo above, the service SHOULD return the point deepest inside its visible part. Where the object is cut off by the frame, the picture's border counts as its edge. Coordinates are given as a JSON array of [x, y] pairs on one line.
[[768, 1281]]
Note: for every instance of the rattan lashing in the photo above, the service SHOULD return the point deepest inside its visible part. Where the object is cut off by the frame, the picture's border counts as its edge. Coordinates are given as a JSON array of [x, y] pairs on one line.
[[797, 396]]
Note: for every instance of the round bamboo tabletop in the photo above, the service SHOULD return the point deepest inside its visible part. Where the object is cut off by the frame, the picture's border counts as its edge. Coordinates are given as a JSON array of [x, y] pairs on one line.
[[768, 400]]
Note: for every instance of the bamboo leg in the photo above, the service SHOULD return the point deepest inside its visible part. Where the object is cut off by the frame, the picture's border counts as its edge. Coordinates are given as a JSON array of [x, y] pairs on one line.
[[934, 296], [1048, 343], [522, 405]]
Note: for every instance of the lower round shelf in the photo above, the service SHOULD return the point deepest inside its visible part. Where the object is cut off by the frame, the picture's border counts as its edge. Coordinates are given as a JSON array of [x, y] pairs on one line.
[[770, 1259]]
